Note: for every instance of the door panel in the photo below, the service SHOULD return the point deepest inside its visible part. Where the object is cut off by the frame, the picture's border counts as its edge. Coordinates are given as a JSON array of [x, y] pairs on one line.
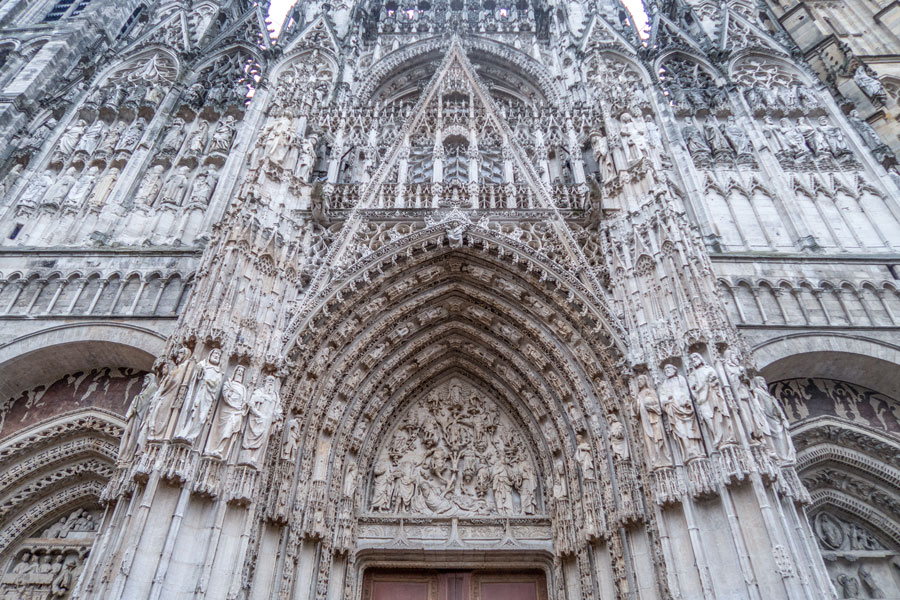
[[454, 585]]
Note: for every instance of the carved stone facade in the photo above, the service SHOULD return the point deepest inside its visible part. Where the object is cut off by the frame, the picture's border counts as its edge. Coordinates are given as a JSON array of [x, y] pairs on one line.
[[854, 48], [440, 296]]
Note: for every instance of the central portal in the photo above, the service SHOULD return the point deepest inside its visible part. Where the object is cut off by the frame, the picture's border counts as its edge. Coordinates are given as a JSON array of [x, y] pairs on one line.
[[454, 585]]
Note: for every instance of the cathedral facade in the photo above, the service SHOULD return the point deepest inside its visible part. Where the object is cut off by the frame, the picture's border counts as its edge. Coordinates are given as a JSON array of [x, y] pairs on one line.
[[440, 299]]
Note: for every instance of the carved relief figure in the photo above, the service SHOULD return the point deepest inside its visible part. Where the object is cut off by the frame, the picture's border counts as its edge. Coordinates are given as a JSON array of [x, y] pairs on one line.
[[454, 454]]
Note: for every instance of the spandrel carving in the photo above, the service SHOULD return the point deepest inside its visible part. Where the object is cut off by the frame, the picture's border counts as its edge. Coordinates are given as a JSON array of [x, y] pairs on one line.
[[454, 453]]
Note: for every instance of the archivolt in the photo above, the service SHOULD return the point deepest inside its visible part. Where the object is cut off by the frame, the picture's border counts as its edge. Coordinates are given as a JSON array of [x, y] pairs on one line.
[[451, 313], [54, 467]]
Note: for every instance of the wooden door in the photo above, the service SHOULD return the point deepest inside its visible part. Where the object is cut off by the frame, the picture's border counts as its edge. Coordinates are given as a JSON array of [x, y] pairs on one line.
[[454, 585]]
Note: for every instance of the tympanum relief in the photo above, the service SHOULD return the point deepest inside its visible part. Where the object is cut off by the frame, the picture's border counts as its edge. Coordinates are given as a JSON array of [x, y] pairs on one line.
[[455, 453]]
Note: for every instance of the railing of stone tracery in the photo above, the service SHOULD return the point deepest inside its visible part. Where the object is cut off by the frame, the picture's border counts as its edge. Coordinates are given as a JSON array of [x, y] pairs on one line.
[[485, 196]]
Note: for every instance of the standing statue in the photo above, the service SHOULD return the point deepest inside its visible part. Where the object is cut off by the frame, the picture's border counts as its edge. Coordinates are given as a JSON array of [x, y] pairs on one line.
[[650, 412], [134, 434], [172, 140], [108, 145], [584, 458], [150, 185], [202, 392], [870, 86], [203, 187], [91, 138], [865, 130], [132, 136], [526, 483], [706, 388], [263, 407], [291, 440], [778, 427], [349, 487], [617, 440], [36, 190], [222, 136], [229, 417], [740, 387], [737, 137], [792, 139], [176, 186], [80, 190], [170, 394], [382, 484], [69, 139], [58, 191], [307, 160], [197, 142], [676, 401], [103, 188]]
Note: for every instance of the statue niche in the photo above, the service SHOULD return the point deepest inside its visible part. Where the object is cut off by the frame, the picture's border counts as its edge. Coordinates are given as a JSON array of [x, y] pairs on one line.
[[454, 453]]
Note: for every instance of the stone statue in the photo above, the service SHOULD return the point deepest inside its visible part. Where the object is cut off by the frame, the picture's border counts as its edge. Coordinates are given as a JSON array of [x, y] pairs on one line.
[[865, 130], [834, 137], [103, 188], [650, 412], [223, 134], [205, 382], [58, 191], [382, 484], [36, 190], [307, 160], [849, 586], [108, 145], [714, 137], [777, 425], [263, 407], [91, 138], [82, 187], [170, 393], [617, 440], [132, 135], [694, 140], [11, 178], [870, 86], [197, 142], [172, 140], [175, 187], [203, 187], [710, 398], [134, 435], [737, 137], [69, 139], [150, 185], [676, 402], [868, 583], [773, 135], [584, 458], [229, 419], [791, 139], [740, 387], [291, 440], [349, 488]]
